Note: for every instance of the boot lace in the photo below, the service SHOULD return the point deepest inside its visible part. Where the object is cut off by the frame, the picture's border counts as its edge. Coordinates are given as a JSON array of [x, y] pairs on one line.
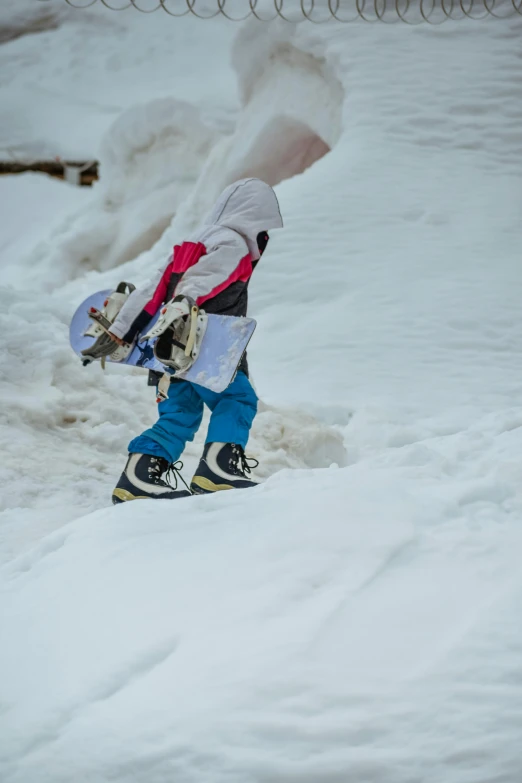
[[159, 466], [241, 464]]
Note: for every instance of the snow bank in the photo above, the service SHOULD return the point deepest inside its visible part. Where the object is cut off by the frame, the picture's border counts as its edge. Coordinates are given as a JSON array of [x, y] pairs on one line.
[[301, 630], [150, 159], [160, 156], [202, 605], [290, 118], [63, 88]]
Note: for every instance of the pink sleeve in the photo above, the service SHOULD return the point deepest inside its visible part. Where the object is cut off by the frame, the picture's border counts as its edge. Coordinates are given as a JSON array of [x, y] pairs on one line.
[[160, 294]]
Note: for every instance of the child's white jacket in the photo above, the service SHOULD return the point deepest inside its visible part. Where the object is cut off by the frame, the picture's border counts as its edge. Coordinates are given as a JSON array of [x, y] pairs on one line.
[[214, 265]]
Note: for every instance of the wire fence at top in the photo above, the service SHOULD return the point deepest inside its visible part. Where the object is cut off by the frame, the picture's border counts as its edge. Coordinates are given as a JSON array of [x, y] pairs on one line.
[[319, 11]]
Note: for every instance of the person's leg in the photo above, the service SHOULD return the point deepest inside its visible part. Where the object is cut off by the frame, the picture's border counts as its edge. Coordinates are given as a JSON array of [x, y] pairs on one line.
[[179, 419], [233, 411], [223, 464], [155, 450]]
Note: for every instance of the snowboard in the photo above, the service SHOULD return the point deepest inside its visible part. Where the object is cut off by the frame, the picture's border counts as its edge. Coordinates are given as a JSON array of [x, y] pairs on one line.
[[224, 343]]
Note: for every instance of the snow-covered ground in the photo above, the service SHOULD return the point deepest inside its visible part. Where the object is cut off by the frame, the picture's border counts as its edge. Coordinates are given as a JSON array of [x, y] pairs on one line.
[[356, 617]]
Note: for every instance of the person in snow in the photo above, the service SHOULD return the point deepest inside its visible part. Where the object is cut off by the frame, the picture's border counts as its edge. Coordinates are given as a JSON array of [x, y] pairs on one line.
[[213, 267]]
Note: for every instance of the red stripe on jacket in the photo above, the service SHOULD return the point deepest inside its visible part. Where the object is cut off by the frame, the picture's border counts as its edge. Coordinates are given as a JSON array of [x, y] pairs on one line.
[[242, 272], [183, 257]]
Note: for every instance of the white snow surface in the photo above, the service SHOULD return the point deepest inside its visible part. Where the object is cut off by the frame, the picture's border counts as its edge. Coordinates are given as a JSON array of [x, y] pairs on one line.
[[356, 616]]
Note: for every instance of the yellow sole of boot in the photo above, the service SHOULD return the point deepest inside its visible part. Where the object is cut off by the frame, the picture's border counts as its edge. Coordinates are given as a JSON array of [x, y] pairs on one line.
[[124, 495], [208, 485]]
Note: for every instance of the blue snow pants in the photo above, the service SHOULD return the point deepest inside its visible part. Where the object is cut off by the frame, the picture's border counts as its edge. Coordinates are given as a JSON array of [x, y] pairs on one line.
[[233, 412]]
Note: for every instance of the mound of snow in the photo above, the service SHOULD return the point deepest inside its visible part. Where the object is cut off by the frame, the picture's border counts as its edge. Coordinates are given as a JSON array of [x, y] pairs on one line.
[[149, 161], [290, 119], [63, 88], [176, 621], [305, 629]]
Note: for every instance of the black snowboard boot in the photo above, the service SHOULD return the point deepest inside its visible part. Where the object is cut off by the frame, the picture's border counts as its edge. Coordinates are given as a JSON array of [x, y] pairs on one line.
[[142, 479], [222, 466]]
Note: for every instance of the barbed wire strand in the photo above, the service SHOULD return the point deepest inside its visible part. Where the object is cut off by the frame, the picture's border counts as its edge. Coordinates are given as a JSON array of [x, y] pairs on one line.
[[412, 12]]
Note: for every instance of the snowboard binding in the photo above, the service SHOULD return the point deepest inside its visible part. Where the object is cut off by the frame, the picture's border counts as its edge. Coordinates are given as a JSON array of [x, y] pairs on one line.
[[179, 332], [102, 321]]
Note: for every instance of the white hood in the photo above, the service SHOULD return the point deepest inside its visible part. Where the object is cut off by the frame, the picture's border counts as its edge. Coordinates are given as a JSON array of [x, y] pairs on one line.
[[247, 207]]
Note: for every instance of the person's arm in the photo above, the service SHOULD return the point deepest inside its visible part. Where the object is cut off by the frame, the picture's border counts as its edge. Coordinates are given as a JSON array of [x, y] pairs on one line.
[[216, 270], [141, 305]]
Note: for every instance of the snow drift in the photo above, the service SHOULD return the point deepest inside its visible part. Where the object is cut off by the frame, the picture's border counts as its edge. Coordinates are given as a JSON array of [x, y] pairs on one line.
[[151, 592], [291, 118]]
